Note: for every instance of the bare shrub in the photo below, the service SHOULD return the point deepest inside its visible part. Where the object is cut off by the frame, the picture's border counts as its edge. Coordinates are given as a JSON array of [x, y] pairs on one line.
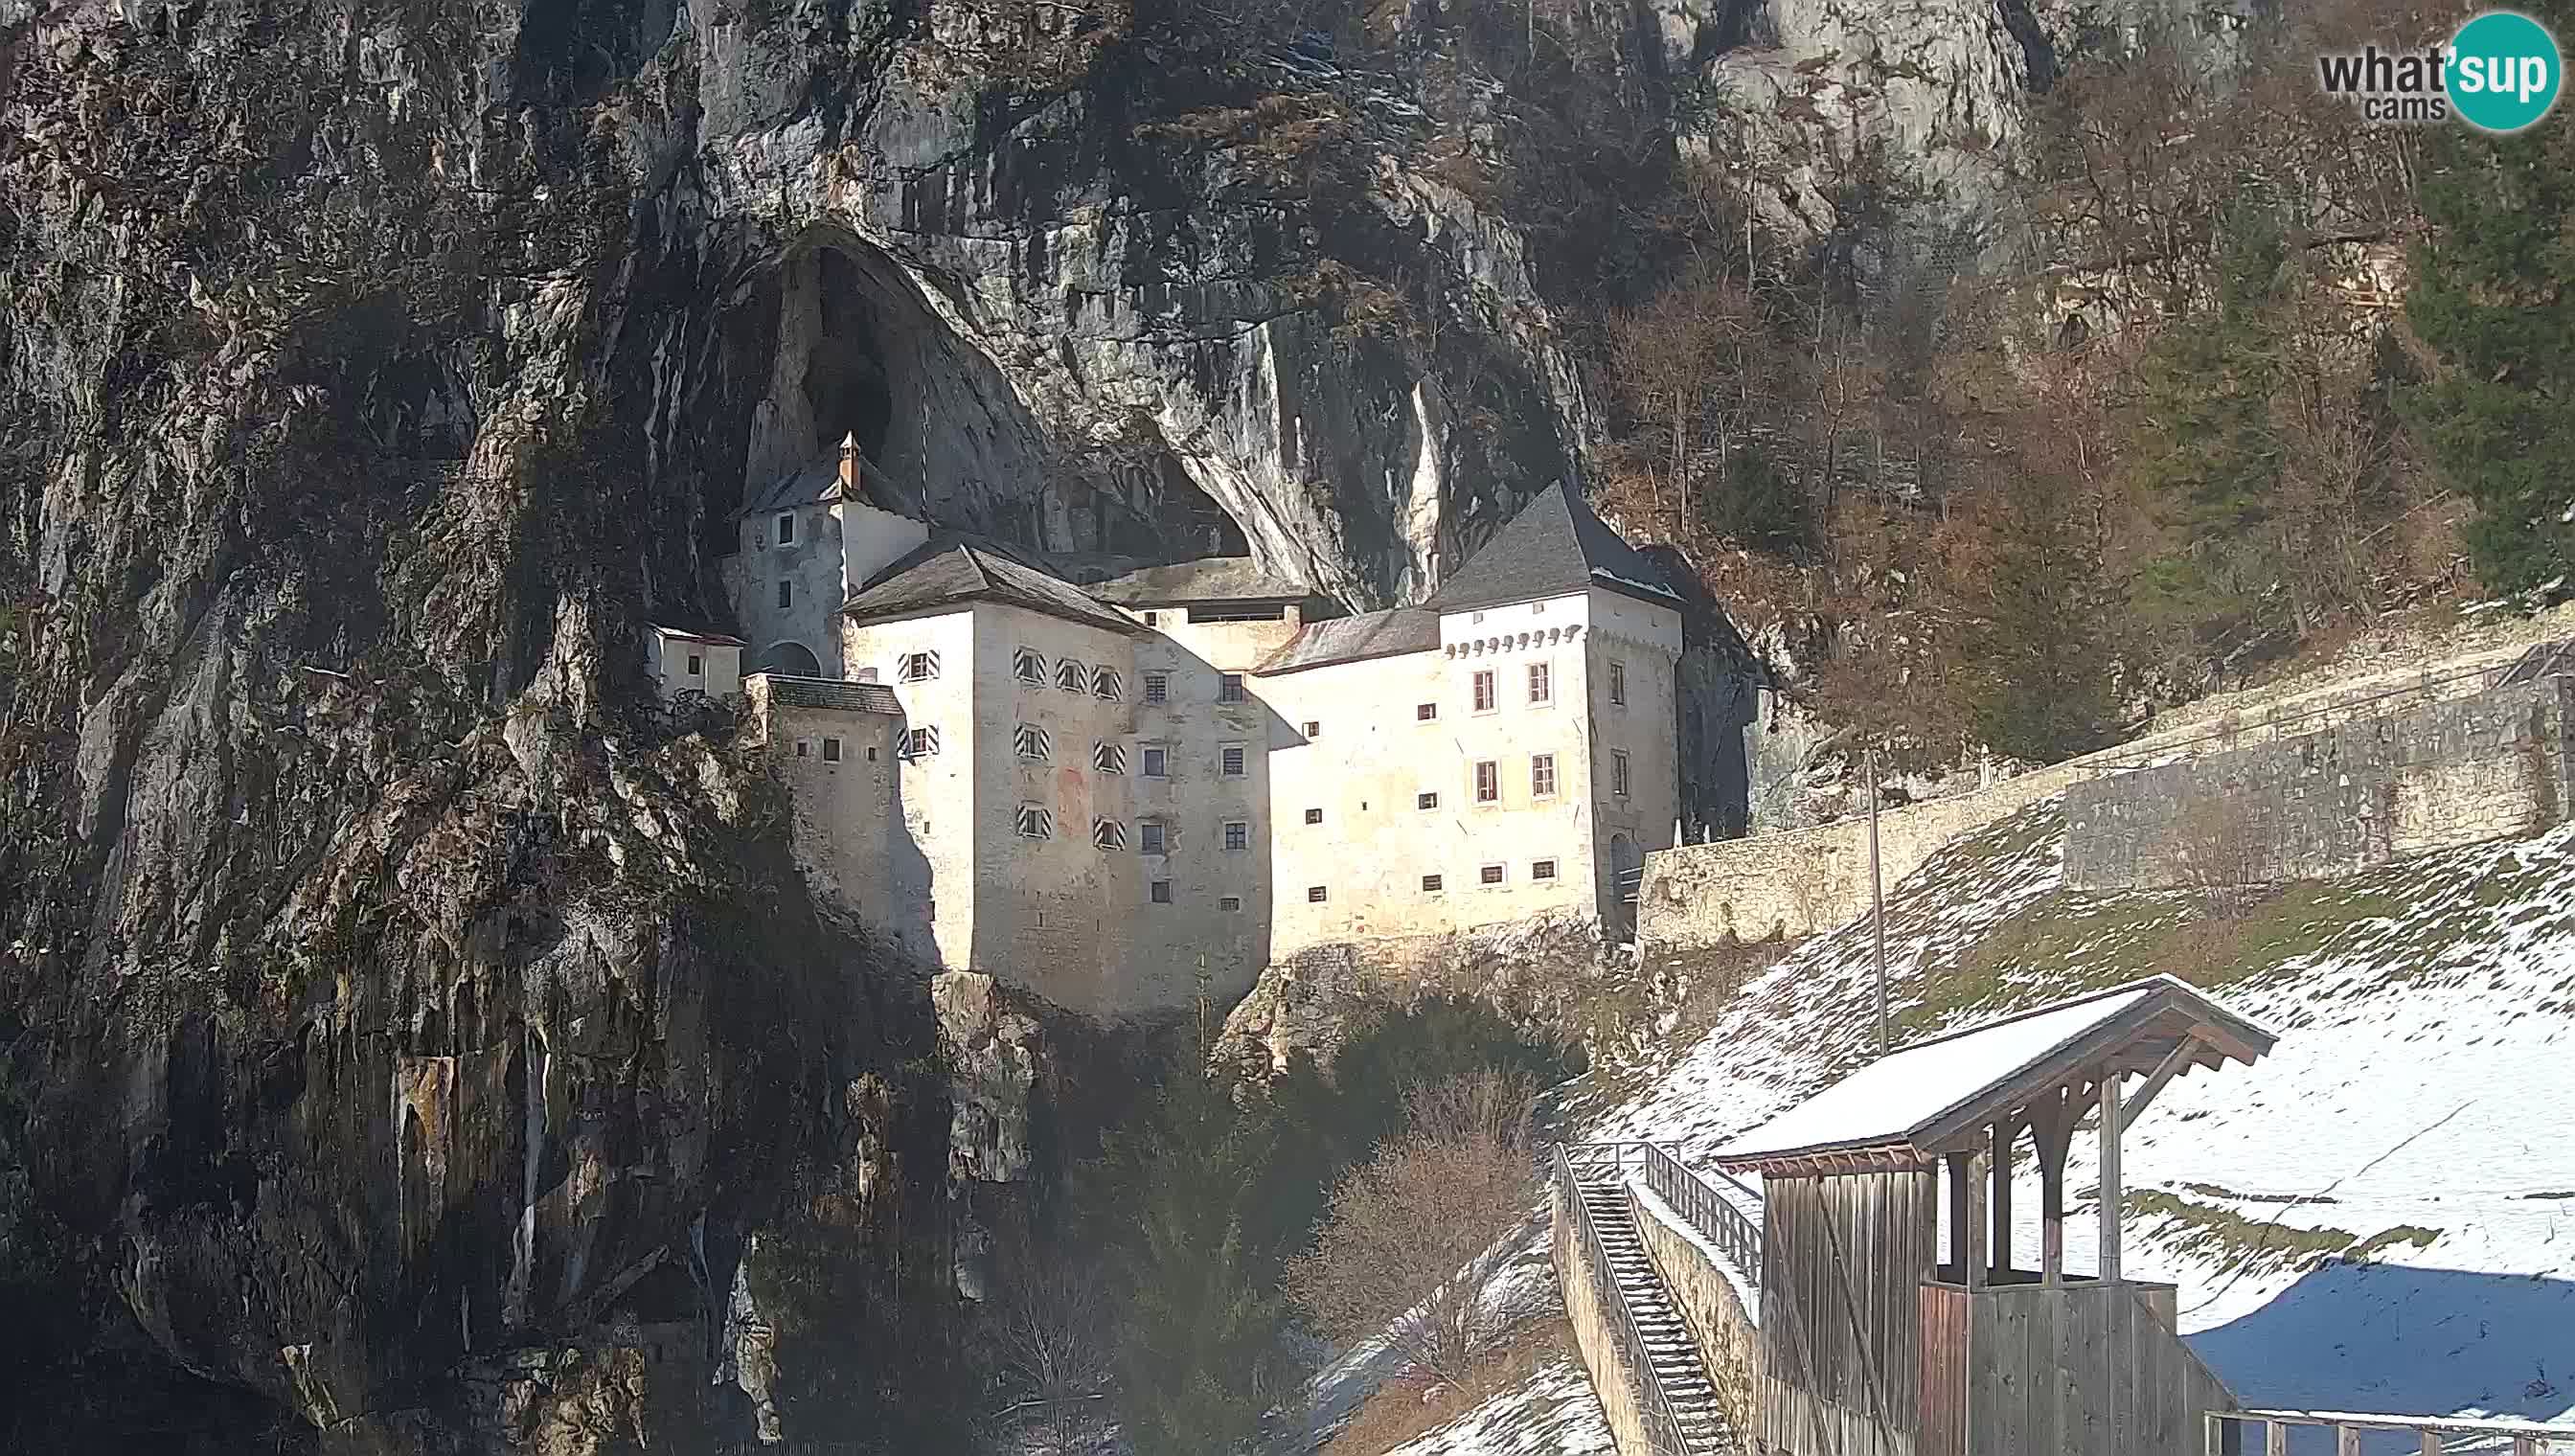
[[2222, 850], [1054, 1358], [1412, 1241]]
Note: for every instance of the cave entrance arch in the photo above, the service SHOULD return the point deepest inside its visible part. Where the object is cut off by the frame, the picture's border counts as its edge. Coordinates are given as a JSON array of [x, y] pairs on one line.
[[790, 659]]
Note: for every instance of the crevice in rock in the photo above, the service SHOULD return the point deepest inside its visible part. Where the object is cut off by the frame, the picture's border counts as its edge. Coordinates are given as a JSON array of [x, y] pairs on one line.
[[2038, 52]]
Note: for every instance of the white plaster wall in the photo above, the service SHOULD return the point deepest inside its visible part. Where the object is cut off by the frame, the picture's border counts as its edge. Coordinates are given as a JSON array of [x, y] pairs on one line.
[[667, 658], [849, 836], [1196, 800], [1055, 914], [1645, 640], [812, 565], [934, 899], [872, 540]]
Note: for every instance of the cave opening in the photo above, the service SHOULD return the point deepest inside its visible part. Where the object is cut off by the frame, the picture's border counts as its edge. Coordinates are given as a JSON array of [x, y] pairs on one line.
[[846, 389]]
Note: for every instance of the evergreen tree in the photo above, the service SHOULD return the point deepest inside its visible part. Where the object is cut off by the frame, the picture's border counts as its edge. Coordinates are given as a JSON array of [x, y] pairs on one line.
[[2040, 667], [1199, 1357], [2494, 294]]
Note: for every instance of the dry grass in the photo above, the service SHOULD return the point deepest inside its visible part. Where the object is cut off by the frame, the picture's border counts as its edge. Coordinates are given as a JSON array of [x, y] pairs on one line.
[[1410, 1406]]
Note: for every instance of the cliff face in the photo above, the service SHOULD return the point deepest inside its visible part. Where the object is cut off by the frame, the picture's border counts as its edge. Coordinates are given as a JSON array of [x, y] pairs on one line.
[[398, 1010]]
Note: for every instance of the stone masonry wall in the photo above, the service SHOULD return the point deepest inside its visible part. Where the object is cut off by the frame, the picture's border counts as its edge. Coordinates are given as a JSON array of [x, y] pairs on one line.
[[1594, 1324], [2333, 802], [1802, 881], [1712, 1306]]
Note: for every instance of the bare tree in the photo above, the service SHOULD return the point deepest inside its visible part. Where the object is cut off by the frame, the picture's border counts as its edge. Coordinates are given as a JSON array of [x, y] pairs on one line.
[[2222, 848], [1414, 1240], [1054, 1357]]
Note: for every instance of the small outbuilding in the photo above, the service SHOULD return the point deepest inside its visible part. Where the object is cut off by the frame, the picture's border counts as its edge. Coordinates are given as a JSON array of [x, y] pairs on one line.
[[686, 661], [1876, 1341]]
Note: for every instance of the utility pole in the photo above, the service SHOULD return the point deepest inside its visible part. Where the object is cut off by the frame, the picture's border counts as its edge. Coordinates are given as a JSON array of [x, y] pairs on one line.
[[1876, 898]]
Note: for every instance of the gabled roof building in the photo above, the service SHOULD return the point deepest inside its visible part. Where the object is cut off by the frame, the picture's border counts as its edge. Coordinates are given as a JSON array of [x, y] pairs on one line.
[[1131, 793]]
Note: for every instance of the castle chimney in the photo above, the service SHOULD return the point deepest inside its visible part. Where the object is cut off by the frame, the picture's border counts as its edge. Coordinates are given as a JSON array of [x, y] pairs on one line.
[[850, 463]]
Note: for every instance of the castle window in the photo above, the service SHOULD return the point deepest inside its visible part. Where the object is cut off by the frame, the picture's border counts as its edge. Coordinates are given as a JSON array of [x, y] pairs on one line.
[[1313, 729], [1108, 835], [1158, 763], [1542, 869], [1490, 874], [804, 747], [1542, 775], [1108, 759], [1150, 838], [1541, 687], [917, 666], [1426, 800], [1431, 884], [787, 593], [1035, 822], [1488, 783], [1314, 816], [1032, 741], [1229, 902], [1158, 687], [1153, 618], [1237, 833], [1028, 665], [1161, 892], [1484, 698], [921, 742], [1425, 712], [1231, 757], [1071, 677], [1617, 681], [697, 665], [1618, 773], [871, 752], [786, 528], [831, 750], [1314, 895], [1107, 685], [1228, 687]]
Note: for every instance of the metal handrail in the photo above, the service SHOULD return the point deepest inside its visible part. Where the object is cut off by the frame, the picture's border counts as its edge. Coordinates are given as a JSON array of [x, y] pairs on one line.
[[1695, 1198], [1667, 1435]]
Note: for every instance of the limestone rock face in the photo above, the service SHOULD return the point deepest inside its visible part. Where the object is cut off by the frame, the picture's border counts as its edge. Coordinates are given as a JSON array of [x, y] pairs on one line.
[[992, 1060]]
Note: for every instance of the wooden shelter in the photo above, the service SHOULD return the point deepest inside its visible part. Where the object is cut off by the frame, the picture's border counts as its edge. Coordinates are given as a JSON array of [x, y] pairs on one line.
[[1874, 1342]]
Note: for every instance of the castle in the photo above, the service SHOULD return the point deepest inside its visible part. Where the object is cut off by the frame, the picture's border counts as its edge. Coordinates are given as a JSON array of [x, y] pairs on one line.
[[1123, 793]]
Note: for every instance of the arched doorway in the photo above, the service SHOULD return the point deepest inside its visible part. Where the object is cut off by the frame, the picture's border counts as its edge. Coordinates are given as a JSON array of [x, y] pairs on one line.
[[791, 659]]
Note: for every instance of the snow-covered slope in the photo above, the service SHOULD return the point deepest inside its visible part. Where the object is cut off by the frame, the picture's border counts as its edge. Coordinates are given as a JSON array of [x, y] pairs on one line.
[[2380, 1215]]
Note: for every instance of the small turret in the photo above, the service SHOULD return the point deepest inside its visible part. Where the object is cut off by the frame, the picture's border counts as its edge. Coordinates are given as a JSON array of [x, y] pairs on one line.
[[850, 463]]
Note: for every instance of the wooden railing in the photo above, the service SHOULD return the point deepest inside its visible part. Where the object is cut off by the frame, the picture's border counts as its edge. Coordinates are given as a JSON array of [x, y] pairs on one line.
[[2432, 1434], [1716, 1212], [1664, 1430]]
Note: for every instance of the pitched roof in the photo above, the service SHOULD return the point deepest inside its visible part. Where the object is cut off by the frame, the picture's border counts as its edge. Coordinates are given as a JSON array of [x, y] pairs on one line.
[[819, 484], [712, 638], [1352, 638], [948, 570], [1920, 1102], [1554, 546], [1208, 578], [788, 692]]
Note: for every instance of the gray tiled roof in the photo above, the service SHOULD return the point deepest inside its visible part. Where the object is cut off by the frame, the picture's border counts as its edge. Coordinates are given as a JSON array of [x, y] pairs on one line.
[[1555, 546], [1208, 578], [1351, 639], [695, 634], [819, 484], [787, 691], [951, 570]]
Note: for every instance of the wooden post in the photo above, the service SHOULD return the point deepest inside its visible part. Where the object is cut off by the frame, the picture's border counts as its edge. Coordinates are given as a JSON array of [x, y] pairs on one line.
[[2346, 1441], [2431, 1443], [2110, 1177], [2276, 1438], [1971, 1178], [1958, 1216], [2002, 1162], [2052, 1126]]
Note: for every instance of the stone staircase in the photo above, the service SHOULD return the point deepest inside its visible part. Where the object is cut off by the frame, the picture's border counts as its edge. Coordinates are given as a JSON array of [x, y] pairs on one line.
[[1681, 1389]]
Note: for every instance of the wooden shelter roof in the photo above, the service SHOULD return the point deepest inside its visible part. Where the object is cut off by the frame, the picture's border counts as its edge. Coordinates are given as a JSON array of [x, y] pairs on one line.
[[1939, 1096]]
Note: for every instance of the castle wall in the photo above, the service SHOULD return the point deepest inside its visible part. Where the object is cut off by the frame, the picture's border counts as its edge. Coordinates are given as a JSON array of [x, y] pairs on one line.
[[847, 832], [810, 567], [1219, 905], [930, 903], [1057, 914], [2493, 765], [666, 658]]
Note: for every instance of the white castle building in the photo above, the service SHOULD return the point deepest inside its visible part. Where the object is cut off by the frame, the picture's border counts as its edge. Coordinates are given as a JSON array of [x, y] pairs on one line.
[[1104, 792]]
